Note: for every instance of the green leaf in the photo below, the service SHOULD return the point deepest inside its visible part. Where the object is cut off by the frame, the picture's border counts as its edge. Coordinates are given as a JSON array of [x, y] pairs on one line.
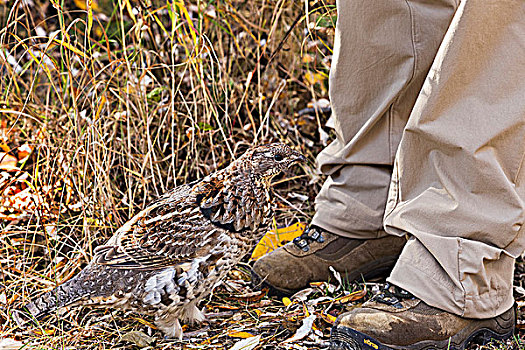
[[204, 126], [154, 94]]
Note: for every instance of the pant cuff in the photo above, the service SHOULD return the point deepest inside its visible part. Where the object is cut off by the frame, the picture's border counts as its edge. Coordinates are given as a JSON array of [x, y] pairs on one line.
[[340, 223], [433, 286]]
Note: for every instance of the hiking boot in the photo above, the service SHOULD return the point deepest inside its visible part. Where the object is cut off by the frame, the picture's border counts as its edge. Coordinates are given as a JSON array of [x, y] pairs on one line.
[[394, 319], [308, 258]]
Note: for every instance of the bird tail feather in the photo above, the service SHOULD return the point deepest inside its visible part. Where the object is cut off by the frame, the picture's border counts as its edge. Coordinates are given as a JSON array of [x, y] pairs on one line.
[[64, 295]]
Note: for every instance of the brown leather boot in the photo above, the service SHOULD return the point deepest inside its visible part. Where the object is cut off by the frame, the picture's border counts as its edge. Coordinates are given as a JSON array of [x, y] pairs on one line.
[[395, 319], [308, 258]]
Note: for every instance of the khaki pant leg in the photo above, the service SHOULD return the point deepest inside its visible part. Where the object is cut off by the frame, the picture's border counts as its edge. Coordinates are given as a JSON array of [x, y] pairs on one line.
[[458, 185], [383, 51]]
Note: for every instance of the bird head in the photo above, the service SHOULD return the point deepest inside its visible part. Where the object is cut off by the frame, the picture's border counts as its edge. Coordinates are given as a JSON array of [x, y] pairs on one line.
[[266, 161]]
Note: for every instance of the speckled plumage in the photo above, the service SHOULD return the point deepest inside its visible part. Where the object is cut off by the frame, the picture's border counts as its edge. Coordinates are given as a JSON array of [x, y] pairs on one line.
[[169, 256]]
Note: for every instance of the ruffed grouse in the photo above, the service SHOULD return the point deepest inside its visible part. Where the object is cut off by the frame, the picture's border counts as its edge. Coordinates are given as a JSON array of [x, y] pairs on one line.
[[169, 256]]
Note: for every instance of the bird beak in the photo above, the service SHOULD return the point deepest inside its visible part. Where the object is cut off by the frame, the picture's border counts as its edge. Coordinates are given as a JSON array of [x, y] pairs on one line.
[[298, 158]]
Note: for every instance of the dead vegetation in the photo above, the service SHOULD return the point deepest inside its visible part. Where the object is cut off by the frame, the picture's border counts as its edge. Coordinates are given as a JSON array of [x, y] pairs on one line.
[[105, 105]]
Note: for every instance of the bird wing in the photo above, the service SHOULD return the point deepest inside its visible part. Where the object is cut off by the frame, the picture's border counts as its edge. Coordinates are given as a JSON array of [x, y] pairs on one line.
[[169, 232]]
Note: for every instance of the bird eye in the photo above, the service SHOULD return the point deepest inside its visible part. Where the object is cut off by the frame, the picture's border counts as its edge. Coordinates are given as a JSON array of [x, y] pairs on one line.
[[278, 157]]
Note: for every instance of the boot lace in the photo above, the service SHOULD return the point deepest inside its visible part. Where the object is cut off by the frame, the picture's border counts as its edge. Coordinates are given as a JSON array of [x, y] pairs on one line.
[[392, 295], [311, 234]]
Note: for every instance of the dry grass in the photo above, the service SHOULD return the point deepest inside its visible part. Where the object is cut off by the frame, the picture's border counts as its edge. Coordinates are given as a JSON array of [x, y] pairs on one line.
[[119, 101]]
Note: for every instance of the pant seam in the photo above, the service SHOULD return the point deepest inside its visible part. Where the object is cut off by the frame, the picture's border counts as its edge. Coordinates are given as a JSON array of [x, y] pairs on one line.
[[407, 83], [520, 167], [413, 35], [460, 248], [392, 111]]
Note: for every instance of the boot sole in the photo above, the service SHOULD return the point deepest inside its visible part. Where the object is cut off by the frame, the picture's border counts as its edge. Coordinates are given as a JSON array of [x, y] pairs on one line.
[[344, 338]]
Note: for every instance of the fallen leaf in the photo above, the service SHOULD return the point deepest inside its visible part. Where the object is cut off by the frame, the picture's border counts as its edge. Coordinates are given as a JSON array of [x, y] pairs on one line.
[[320, 300], [519, 290], [352, 297], [51, 231], [286, 301], [23, 152], [306, 311], [303, 294], [10, 344], [298, 196], [276, 238], [323, 135], [243, 335], [307, 58], [324, 286], [43, 331], [304, 330], [8, 162], [320, 103], [313, 78], [247, 344], [328, 318], [138, 338], [337, 276]]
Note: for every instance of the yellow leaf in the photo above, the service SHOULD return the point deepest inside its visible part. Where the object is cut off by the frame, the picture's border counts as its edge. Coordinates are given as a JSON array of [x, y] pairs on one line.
[[81, 4], [70, 47], [243, 335], [328, 318], [286, 301], [316, 284], [307, 58], [89, 4], [99, 32], [313, 78], [100, 106], [185, 13], [352, 297], [258, 312], [275, 238], [130, 11]]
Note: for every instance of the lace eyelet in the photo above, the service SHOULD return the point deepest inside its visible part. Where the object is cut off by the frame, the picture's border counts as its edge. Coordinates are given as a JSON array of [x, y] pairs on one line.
[[392, 295]]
